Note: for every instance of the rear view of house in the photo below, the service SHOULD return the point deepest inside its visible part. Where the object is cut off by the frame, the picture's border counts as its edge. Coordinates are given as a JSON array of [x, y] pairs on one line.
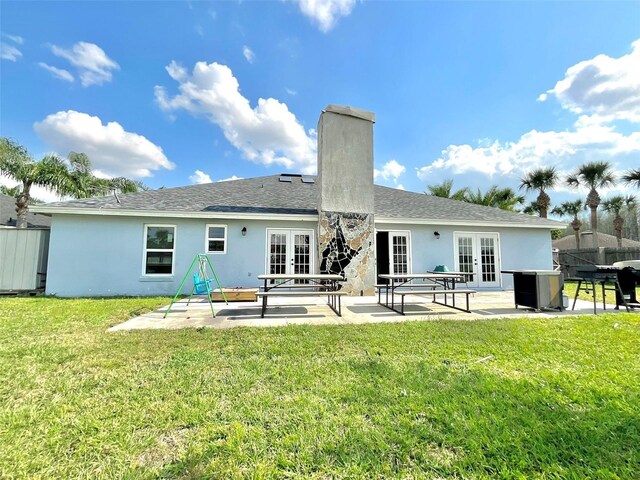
[[338, 221]]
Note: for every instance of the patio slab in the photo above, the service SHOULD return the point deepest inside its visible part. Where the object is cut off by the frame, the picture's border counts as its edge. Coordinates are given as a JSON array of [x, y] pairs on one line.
[[355, 310]]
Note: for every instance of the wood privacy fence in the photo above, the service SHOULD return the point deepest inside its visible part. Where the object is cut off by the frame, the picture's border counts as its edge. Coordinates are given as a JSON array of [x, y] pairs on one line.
[[568, 259], [23, 258]]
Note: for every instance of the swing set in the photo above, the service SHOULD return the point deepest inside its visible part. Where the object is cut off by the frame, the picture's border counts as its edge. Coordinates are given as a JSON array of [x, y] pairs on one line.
[[202, 281]]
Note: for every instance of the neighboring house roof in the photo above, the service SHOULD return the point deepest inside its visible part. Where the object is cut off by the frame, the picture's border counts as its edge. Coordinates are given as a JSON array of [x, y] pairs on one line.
[[253, 197], [8, 214], [586, 241]]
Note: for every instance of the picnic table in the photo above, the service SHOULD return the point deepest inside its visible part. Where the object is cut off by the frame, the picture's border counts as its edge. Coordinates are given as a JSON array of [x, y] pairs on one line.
[[302, 285], [459, 277], [438, 284]]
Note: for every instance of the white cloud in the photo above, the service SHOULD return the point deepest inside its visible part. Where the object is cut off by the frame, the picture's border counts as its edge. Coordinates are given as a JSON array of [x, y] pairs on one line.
[[248, 54], [9, 52], [14, 38], [57, 72], [177, 72], [604, 86], [291, 92], [267, 134], [92, 63], [230, 179], [589, 140], [602, 91], [200, 177], [390, 171], [400, 187], [325, 13], [112, 150]]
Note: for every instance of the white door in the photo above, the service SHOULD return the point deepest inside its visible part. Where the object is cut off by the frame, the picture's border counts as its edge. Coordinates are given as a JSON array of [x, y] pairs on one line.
[[289, 251], [399, 253], [478, 253]]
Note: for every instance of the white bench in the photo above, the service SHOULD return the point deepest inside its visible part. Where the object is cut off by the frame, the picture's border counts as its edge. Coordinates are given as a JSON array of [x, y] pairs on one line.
[[333, 297]]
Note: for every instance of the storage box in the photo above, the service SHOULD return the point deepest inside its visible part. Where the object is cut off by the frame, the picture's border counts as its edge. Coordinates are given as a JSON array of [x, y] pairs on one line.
[[235, 294]]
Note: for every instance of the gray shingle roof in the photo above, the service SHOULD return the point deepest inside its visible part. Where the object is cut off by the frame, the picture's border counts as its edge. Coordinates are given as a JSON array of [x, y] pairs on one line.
[[8, 214], [586, 241], [269, 195]]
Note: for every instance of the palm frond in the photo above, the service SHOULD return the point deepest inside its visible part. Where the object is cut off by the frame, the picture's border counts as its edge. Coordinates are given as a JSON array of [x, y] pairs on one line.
[[632, 177]]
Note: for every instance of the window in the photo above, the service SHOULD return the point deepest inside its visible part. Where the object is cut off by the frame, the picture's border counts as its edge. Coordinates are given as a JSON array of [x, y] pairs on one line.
[[159, 249], [216, 239]]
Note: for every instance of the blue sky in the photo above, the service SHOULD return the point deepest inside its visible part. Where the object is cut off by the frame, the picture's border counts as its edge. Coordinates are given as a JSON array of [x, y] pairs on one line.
[[173, 93]]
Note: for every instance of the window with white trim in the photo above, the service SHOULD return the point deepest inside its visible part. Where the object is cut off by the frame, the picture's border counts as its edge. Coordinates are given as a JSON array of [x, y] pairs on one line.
[[216, 239], [159, 249]]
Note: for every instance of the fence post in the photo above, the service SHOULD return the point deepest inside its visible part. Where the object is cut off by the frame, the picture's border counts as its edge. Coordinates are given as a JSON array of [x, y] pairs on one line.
[[601, 256]]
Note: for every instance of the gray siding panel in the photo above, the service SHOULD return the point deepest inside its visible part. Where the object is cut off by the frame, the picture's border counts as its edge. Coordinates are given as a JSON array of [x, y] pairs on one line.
[[23, 258]]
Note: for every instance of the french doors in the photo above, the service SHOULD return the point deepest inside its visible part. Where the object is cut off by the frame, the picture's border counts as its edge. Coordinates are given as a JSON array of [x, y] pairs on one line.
[[478, 253], [393, 253], [289, 251]]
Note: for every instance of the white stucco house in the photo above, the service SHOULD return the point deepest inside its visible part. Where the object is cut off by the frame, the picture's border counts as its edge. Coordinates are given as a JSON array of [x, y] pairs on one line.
[[337, 221]]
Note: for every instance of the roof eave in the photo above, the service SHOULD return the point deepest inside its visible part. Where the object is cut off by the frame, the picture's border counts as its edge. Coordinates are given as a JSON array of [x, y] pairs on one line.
[[471, 223], [172, 213], [49, 210]]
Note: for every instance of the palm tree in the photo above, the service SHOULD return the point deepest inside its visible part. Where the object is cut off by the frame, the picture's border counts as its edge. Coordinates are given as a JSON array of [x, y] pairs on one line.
[[75, 180], [16, 163], [615, 205], [571, 208], [632, 177], [540, 179], [445, 189], [10, 191], [532, 209], [592, 175], [503, 198], [85, 185]]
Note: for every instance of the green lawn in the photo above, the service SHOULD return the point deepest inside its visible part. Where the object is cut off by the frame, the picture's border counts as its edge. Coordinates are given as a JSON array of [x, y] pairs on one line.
[[570, 290], [557, 398]]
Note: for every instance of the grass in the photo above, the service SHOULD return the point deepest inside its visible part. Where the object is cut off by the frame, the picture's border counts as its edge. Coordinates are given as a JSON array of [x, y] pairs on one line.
[[570, 290], [529, 398]]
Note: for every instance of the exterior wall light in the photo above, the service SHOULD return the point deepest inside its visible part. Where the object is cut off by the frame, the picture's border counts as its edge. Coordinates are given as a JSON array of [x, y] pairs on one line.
[[436, 234], [244, 231]]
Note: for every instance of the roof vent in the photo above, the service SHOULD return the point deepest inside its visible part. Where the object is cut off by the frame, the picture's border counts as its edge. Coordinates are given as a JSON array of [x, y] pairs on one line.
[[308, 180], [285, 179]]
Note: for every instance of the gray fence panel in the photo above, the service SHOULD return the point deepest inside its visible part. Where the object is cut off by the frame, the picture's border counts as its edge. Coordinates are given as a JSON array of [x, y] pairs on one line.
[[569, 259], [23, 258]]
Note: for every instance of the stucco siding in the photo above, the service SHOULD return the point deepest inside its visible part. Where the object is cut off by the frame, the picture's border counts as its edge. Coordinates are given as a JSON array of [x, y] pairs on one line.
[[520, 248], [103, 256]]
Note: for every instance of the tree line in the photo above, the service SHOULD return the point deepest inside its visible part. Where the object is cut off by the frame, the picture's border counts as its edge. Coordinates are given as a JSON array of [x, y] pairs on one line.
[[70, 177], [592, 175]]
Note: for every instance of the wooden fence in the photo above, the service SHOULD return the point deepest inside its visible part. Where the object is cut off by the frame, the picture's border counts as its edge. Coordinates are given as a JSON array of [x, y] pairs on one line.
[[568, 259]]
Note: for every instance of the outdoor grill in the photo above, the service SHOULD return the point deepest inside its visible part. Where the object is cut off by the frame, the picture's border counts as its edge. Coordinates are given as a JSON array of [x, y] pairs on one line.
[[537, 289], [597, 273], [623, 281]]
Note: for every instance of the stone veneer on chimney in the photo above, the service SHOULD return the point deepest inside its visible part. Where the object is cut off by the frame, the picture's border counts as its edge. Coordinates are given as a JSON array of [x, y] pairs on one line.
[[346, 211]]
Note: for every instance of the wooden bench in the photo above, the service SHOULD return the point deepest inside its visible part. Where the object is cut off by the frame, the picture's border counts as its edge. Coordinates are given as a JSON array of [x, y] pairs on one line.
[[333, 297], [434, 292]]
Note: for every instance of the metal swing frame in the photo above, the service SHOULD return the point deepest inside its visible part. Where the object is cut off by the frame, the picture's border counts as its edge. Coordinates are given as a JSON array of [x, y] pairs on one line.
[[201, 278]]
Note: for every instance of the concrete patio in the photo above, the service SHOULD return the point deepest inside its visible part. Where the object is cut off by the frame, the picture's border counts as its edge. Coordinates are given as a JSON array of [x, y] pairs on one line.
[[355, 310]]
